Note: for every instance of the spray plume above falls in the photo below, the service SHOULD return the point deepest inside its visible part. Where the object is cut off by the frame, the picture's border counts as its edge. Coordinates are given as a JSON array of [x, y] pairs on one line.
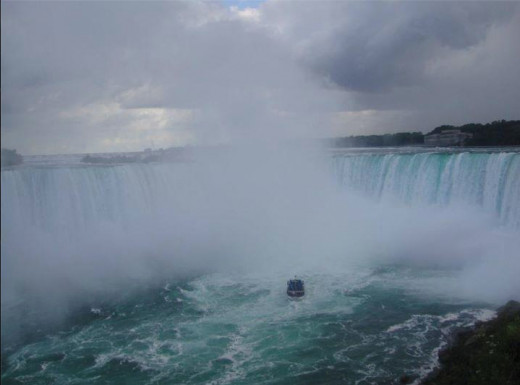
[[266, 209]]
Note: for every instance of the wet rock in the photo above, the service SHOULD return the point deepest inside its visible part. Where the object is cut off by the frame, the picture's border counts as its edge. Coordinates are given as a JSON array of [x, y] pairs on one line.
[[488, 354]]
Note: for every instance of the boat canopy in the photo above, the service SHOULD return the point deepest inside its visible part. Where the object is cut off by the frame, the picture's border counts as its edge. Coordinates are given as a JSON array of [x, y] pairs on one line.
[[295, 285]]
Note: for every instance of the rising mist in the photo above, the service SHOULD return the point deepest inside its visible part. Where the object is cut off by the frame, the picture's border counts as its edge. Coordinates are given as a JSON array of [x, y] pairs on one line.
[[73, 235]]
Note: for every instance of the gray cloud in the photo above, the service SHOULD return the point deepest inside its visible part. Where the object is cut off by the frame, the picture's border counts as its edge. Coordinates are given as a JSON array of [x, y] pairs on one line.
[[116, 76], [409, 65], [373, 46]]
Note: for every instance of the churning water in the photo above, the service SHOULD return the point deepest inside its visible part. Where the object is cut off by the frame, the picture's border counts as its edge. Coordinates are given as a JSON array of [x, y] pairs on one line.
[[175, 273]]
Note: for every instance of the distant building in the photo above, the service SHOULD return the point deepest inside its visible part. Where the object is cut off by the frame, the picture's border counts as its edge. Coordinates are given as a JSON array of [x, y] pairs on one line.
[[447, 138]]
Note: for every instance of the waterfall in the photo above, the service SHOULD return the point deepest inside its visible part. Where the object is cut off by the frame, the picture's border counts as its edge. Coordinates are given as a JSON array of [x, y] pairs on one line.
[[490, 181], [70, 230], [68, 199], [72, 198]]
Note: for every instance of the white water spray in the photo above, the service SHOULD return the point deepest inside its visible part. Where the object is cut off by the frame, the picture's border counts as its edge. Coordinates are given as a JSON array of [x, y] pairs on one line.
[[72, 232]]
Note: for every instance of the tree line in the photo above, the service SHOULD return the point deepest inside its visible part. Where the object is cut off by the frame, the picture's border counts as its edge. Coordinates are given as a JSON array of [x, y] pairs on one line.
[[497, 133], [387, 140], [10, 158]]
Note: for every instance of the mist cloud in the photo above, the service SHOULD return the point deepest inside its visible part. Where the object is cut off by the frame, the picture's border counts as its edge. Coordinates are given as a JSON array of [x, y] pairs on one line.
[[76, 236]]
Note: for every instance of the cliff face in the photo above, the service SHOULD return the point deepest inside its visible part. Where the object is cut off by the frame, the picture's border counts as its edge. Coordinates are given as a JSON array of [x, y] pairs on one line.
[[488, 354]]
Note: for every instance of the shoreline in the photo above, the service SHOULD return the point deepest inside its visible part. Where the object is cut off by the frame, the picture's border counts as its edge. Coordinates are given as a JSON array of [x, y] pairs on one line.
[[487, 353]]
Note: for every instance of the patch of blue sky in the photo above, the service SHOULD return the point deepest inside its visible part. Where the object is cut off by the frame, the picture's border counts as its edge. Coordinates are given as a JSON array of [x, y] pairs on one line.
[[242, 4]]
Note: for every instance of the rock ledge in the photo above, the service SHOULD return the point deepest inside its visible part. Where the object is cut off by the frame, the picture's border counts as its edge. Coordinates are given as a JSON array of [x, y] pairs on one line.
[[487, 354]]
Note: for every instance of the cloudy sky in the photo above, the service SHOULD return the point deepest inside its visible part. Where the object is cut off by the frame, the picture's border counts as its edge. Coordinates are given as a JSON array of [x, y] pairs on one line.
[[93, 76]]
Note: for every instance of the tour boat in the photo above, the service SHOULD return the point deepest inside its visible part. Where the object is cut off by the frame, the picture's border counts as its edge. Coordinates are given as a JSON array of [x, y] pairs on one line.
[[295, 288]]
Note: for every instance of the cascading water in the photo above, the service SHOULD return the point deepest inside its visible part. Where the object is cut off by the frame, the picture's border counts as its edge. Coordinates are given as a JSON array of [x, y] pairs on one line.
[[487, 180], [175, 273], [71, 198]]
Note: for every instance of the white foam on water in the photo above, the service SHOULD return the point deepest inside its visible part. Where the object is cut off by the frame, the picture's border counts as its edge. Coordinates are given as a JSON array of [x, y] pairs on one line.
[[464, 318]]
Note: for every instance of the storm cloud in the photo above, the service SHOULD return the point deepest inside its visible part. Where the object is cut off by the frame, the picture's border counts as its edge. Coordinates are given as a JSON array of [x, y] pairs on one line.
[[120, 76], [369, 47]]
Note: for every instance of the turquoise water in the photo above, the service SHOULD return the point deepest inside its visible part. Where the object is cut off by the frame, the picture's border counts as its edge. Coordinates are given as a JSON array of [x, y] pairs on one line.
[[176, 273], [489, 180], [361, 327]]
